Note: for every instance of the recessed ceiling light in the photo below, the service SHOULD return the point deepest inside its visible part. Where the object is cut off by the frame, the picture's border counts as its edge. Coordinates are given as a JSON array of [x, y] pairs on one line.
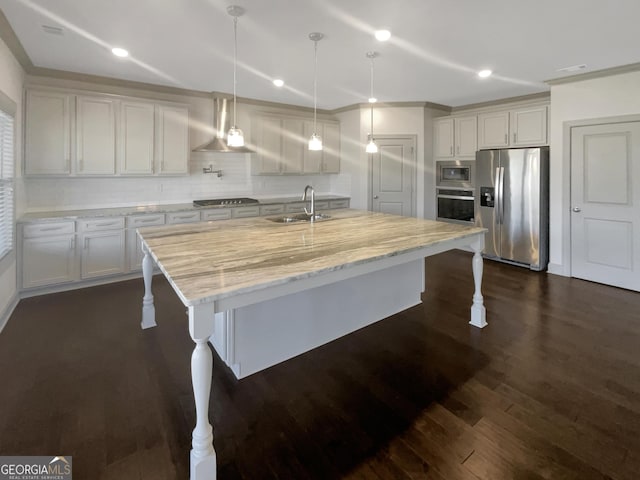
[[484, 73], [278, 82], [382, 35], [119, 52], [373, 100]]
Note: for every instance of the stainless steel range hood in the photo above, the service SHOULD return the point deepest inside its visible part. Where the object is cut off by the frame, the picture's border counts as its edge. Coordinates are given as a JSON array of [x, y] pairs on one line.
[[221, 120]]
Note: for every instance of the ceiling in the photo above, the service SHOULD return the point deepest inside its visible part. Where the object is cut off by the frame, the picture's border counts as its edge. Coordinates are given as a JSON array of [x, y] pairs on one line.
[[434, 52]]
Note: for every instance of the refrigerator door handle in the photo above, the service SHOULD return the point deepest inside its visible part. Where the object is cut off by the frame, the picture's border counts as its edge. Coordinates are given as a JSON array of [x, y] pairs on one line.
[[497, 196], [500, 200]]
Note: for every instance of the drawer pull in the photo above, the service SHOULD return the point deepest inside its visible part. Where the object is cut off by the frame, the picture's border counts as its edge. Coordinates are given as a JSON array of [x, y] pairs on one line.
[[50, 229], [146, 220], [108, 224]]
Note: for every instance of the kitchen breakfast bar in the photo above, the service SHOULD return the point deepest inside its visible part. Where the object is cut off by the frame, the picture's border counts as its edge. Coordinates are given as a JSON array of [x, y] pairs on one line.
[[263, 291]]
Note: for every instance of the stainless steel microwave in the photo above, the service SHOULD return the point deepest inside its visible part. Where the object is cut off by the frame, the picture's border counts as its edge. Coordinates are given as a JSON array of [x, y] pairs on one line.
[[455, 173]]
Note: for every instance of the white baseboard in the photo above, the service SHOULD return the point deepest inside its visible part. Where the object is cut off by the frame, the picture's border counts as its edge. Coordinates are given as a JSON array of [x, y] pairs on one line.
[[557, 269], [4, 317]]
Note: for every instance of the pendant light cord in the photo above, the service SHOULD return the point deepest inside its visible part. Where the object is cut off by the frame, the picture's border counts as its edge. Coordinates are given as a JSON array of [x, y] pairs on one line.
[[315, 84], [235, 61], [371, 98]]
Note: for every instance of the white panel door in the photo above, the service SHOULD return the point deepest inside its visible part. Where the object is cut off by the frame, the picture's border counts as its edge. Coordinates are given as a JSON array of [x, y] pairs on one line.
[[466, 137], [443, 133], [95, 136], [103, 253], [393, 176], [493, 130], [605, 203], [48, 260], [293, 145], [529, 127]]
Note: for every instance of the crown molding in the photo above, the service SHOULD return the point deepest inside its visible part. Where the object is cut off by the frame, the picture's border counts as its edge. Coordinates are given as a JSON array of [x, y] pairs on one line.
[[606, 72], [541, 96], [13, 42], [358, 106]]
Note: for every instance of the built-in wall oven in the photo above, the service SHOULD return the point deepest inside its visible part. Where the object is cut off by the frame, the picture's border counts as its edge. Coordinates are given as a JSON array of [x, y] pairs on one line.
[[455, 191]]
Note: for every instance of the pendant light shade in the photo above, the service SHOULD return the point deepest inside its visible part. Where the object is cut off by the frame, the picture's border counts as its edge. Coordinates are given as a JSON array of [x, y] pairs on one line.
[[371, 144], [235, 137], [315, 142]]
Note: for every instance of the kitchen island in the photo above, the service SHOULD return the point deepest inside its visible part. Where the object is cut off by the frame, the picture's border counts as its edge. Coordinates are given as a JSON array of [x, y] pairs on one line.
[[263, 291]]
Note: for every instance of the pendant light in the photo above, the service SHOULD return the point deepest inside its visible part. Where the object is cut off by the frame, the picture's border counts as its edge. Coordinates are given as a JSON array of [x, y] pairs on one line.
[[371, 145], [235, 137], [315, 142]]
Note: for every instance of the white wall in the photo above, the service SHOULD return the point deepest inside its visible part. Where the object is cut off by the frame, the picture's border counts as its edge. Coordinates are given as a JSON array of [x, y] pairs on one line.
[[355, 125], [43, 194], [587, 99], [11, 81]]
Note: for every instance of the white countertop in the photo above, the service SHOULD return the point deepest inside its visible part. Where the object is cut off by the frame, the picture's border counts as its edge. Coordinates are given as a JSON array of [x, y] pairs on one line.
[[177, 207], [209, 261]]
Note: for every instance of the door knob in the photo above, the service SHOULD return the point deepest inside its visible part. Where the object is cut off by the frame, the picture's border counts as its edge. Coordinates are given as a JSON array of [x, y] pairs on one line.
[[576, 209], [375, 197]]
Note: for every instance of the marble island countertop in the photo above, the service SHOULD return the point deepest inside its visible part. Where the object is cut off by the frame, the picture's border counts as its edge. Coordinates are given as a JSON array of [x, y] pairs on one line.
[[156, 208], [210, 261]]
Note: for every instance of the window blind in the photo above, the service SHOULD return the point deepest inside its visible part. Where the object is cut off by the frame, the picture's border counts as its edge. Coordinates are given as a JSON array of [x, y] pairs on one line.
[[7, 205]]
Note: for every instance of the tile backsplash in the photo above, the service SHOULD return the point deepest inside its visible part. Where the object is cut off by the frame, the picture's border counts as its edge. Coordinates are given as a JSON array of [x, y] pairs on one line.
[[44, 194]]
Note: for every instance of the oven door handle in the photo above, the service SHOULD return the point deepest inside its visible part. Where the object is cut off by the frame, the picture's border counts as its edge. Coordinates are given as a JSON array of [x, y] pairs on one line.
[[455, 197]]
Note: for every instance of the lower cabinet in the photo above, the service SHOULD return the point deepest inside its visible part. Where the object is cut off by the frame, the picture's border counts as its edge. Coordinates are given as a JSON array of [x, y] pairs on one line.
[[102, 243], [55, 253], [48, 260]]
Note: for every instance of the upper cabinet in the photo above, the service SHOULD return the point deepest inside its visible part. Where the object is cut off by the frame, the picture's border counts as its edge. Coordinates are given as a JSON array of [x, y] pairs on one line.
[[103, 135], [456, 137], [48, 133], [282, 146], [521, 127], [172, 132], [95, 136]]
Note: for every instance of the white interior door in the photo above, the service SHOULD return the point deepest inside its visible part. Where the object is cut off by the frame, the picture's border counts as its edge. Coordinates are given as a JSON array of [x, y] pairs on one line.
[[393, 176], [605, 204]]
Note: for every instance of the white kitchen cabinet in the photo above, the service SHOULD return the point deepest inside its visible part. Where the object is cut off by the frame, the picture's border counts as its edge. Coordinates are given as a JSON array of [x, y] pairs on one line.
[[48, 133], [456, 137], [268, 140], [75, 134], [95, 136], [292, 147], [103, 247], [282, 146], [47, 254], [174, 218], [519, 127], [244, 212], [493, 130], [443, 137], [137, 133], [326, 160], [134, 246], [529, 126], [271, 209], [172, 154], [331, 148], [215, 214]]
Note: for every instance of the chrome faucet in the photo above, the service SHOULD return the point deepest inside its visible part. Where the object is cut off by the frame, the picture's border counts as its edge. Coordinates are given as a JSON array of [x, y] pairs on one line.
[[311, 213]]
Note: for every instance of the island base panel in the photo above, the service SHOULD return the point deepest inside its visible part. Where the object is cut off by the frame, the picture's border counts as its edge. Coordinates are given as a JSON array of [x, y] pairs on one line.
[[255, 337]]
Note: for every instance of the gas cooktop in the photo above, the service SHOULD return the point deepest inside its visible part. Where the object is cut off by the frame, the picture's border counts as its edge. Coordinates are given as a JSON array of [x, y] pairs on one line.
[[215, 202]]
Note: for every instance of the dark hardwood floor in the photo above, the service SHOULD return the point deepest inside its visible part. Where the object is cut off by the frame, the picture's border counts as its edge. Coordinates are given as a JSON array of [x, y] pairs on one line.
[[549, 390]]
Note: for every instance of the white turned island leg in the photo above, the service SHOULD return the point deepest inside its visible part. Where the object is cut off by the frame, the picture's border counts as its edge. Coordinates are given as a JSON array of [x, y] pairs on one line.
[[478, 312], [203, 456], [148, 309]]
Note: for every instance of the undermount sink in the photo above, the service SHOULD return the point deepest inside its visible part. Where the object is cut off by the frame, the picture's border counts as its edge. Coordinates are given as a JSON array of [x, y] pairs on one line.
[[301, 217]]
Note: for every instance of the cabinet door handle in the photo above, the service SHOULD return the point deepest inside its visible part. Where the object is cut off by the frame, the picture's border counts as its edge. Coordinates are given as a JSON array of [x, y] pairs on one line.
[[50, 229], [72, 243], [86, 243], [451, 150], [514, 138], [506, 138], [458, 149], [107, 224], [146, 220]]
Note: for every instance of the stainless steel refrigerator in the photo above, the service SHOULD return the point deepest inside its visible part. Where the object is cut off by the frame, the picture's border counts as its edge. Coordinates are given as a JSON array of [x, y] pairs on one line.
[[512, 201]]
